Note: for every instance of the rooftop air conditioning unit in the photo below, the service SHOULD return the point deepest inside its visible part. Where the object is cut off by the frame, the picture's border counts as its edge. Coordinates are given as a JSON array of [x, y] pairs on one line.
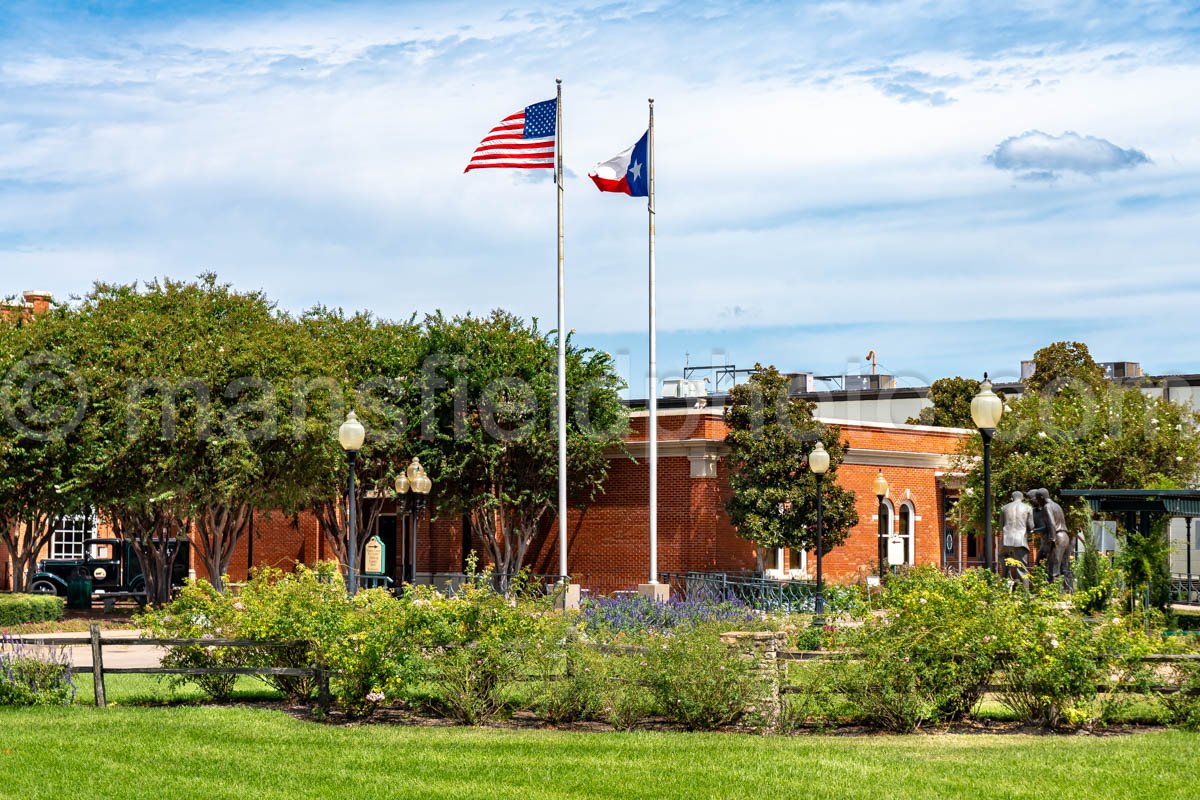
[[684, 387], [863, 383], [801, 382]]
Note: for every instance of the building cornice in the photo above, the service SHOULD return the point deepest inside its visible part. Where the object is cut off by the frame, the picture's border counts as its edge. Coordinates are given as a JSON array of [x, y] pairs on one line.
[[715, 449]]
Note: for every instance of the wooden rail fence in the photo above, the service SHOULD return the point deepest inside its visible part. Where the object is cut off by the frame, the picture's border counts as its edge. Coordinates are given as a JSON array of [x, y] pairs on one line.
[[98, 670]]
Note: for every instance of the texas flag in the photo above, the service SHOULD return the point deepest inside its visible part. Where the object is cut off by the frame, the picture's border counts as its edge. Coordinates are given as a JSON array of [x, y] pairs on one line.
[[625, 172]]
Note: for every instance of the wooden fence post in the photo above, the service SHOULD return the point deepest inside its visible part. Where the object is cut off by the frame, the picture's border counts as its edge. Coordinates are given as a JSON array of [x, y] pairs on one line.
[[97, 665], [324, 700]]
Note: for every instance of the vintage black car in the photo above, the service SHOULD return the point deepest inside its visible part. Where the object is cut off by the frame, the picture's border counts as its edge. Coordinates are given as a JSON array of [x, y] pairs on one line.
[[111, 565]]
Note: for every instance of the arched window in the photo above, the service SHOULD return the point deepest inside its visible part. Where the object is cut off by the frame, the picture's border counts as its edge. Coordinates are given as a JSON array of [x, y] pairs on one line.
[[907, 528]]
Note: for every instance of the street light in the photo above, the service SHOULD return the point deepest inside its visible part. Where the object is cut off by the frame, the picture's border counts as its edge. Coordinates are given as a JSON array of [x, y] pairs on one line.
[[402, 488], [818, 462], [350, 437], [986, 410], [881, 490], [414, 479]]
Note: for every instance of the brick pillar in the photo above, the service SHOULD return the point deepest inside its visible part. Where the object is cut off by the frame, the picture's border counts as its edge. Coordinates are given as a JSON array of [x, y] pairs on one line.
[[762, 649]]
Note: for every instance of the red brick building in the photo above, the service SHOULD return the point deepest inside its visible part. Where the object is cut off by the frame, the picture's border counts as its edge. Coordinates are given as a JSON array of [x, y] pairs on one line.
[[608, 549], [607, 540]]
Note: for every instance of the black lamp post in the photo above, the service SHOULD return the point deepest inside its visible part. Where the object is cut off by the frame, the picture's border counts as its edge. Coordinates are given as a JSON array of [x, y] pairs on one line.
[[421, 484], [350, 437], [881, 490], [402, 488], [818, 462], [986, 410]]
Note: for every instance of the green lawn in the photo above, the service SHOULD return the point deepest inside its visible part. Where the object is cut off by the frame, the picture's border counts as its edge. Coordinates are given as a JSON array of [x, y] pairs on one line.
[[240, 752]]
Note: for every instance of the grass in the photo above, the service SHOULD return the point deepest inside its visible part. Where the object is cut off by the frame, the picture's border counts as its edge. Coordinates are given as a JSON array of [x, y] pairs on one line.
[[239, 752], [151, 690]]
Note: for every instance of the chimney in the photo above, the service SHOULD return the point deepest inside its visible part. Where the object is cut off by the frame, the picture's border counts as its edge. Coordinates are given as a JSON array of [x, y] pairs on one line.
[[37, 302]]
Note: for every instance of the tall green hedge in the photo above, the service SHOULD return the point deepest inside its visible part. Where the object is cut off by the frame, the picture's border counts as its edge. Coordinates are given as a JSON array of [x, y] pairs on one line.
[[18, 608]]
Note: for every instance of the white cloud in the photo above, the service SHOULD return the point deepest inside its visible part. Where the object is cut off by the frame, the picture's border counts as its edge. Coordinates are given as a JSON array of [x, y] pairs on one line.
[[1040, 156]]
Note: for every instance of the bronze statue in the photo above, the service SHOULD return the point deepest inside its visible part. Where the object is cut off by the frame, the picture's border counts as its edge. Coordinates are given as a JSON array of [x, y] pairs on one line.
[[1045, 540], [1055, 540], [1017, 520]]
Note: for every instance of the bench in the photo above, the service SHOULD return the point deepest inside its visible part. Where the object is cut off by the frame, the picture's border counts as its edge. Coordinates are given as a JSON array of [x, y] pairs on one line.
[[110, 599]]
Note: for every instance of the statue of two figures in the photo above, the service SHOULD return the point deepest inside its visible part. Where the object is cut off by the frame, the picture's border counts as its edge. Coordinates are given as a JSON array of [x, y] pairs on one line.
[[1035, 513]]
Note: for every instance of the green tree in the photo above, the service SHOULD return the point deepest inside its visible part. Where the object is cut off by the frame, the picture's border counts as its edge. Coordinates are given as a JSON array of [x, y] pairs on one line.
[[951, 398], [774, 493], [42, 401], [489, 427], [371, 366], [191, 427], [1061, 363]]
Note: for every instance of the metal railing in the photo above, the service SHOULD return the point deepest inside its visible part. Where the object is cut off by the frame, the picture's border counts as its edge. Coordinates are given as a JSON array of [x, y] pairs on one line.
[[764, 594], [1185, 590]]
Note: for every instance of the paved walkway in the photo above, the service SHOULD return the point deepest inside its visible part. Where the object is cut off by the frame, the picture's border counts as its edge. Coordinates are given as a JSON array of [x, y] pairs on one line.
[[115, 655]]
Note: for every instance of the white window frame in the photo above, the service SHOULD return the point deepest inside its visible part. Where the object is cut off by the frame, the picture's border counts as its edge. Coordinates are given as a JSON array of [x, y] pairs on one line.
[[910, 535], [66, 542]]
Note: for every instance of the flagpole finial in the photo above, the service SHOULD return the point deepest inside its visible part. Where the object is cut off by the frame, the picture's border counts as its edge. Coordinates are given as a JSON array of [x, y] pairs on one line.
[[651, 101], [558, 81]]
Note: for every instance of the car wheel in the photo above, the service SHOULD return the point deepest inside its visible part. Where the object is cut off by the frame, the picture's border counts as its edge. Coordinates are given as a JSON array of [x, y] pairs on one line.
[[44, 587]]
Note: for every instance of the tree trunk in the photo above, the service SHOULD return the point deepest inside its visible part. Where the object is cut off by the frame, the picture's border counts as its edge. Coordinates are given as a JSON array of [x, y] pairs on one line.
[[156, 535], [219, 527], [25, 540], [335, 526], [506, 535]]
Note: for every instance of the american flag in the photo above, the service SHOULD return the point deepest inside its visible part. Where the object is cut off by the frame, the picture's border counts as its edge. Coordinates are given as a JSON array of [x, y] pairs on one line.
[[524, 140]]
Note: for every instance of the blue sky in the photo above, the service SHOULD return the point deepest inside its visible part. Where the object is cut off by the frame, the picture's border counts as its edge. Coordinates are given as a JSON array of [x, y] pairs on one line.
[[951, 184]]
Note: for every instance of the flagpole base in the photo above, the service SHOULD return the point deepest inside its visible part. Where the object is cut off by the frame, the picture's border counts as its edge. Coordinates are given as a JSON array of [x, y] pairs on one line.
[[659, 592], [567, 598]]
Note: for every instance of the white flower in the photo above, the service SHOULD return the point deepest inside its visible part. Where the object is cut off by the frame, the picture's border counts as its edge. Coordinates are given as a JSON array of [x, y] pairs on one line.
[[1116, 620], [1041, 434], [1054, 642], [921, 601], [1179, 458], [1154, 420]]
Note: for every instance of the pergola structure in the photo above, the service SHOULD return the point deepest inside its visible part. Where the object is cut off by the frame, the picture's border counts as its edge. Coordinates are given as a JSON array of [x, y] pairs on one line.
[[1139, 507]]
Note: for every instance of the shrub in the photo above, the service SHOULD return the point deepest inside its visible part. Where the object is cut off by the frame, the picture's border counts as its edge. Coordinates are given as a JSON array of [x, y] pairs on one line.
[[930, 657], [16, 609], [477, 645], [309, 606], [574, 676], [699, 681], [1056, 662], [1097, 581], [30, 680], [377, 658], [199, 612], [1183, 706]]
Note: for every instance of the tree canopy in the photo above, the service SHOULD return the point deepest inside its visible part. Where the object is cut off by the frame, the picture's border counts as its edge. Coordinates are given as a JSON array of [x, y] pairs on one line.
[[180, 408], [1061, 363], [774, 498]]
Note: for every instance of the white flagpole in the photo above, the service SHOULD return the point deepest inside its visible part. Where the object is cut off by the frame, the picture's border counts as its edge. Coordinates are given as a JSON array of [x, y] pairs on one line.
[[652, 436], [562, 351]]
